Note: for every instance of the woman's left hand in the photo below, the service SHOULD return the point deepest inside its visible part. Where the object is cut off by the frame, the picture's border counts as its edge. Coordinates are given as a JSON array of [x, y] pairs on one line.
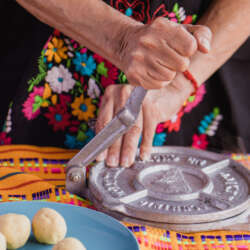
[[158, 106]]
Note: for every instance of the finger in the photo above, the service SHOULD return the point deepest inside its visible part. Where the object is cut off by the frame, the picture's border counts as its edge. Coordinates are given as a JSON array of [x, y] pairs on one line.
[[105, 115], [203, 36], [149, 127], [182, 41], [170, 59], [113, 157], [130, 143]]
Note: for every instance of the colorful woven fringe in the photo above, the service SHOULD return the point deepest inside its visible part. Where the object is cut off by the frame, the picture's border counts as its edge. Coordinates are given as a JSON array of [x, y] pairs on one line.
[[38, 173]]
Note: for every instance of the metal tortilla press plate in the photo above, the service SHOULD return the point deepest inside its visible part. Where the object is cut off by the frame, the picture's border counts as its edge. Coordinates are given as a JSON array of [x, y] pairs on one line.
[[177, 185]]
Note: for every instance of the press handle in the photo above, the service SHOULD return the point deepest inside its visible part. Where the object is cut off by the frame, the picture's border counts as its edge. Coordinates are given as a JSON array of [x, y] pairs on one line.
[[76, 180]]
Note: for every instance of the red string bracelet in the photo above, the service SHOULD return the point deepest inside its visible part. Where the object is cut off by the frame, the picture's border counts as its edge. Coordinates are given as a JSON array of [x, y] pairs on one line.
[[190, 77]]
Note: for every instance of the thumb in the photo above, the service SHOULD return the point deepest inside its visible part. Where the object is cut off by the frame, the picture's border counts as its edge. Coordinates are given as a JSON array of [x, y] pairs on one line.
[[203, 36]]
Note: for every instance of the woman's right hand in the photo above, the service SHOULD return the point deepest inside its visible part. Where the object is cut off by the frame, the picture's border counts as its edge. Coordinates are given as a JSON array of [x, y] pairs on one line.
[[152, 54]]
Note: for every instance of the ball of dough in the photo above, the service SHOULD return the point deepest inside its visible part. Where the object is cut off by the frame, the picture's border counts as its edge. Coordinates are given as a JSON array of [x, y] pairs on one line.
[[3, 243], [69, 244], [16, 229], [48, 226]]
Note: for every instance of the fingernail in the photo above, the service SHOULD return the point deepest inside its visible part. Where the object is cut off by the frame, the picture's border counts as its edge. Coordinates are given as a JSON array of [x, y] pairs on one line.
[[205, 43], [112, 161], [125, 162], [145, 157], [101, 157]]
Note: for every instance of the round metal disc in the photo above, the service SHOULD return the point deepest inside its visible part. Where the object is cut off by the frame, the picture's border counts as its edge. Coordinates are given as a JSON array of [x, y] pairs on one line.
[[177, 185]]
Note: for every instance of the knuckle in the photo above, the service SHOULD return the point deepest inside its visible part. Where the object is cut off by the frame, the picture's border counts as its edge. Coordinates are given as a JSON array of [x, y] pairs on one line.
[[183, 64], [169, 76], [109, 91], [125, 91], [135, 130], [159, 22], [190, 47]]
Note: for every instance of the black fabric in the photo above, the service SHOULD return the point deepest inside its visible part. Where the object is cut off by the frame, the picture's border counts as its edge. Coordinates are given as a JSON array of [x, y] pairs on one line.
[[22, 37]]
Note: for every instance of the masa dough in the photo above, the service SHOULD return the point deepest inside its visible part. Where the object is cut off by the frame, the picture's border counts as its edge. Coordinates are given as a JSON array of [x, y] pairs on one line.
[[69, 244], [48, 226], [16, 229], [3, 244]]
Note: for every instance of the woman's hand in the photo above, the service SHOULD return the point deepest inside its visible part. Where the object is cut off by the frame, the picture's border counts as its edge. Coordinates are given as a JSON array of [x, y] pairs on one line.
[[158, 106], [152, 54]]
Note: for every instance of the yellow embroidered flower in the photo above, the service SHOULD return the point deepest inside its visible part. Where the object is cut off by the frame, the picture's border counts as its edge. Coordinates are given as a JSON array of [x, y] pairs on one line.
[[56, 50], [83, 108]]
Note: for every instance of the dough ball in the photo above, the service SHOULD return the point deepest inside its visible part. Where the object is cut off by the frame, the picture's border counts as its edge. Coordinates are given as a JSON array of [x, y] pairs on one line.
[[48, 226], [69, 244], [3, 243], [16, 229]]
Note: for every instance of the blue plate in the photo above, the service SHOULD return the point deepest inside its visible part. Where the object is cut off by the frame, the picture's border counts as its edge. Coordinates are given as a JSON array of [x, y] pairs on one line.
[[97, 231]]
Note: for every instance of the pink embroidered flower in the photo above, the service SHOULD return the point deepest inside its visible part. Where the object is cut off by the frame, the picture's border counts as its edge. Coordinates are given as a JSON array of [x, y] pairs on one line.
[[31, 107], [4, 140], [200, 141], [175, 123], [160, 128], [172, 17], [197, 99]]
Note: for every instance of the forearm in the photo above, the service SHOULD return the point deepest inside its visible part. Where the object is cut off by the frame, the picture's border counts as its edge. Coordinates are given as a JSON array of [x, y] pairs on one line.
[[229, 21], [93, 23]]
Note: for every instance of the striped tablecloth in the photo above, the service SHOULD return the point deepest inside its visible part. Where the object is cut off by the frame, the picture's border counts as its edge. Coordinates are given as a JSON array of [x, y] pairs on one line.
[[38, 173]]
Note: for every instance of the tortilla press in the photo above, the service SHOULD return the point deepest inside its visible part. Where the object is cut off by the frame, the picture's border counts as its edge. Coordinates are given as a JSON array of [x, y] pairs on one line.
[[178, 188]]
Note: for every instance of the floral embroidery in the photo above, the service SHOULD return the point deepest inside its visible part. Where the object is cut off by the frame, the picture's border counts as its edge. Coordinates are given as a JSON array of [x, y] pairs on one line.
[[56, 50], [175, 122], [207, 128], [84, 64], [58, 118], [93, 89], [60, 79], [4, 140], [193, 101], [31, 107], [200, 141], [159, 139], [83, 108]]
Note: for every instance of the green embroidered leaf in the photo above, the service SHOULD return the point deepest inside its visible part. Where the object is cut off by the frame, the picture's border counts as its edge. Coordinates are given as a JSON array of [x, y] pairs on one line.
[[36, 80], [176, 8], [81, 136], [194, 18], [68, 63], [191, 98], [35, 107], [102, 70], [216, 111], [83, 127], [122, 78]]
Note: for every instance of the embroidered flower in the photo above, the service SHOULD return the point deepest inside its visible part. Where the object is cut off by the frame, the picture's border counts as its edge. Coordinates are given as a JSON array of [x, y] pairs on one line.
[[175, 122], [108, 72], [136, 9], [193, 101], [159, 139], [56, 50], [60, 79], [83, 108], [93, 89], [84, 64], [200, 141], [72, 143], [31, 107], [58, 117], [160, 128], [4, 140]]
